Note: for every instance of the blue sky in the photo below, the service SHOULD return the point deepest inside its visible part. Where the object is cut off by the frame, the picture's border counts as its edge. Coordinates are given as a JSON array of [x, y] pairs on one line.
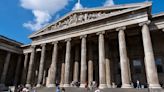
[[17, 16]]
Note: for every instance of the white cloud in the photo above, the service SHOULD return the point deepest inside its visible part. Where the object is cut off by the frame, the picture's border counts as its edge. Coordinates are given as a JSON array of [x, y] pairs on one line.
[[43, 10], [41, 19], [109, 3], [77, 6]]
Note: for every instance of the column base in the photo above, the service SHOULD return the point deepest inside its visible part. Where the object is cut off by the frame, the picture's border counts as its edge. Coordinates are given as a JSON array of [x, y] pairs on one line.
[[101, 86], [109, 86], [28, 85], [61, 85], [155, 86], [66, 85], [82, 85], [50, 85], [38, 85], [126, 86]]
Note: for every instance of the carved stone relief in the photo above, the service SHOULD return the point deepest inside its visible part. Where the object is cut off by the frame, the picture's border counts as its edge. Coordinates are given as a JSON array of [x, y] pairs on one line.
[[77, 18]]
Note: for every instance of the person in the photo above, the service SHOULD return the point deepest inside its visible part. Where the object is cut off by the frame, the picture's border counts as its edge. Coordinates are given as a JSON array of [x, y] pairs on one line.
[[113, 85], [90, 85], [97, 90], [86, 86], [62, 90], [73, 83], [19, 89], [57, 89], [76, 84], [138, 84], [25, 89], [57, 83], [131, 83], [94, 84]]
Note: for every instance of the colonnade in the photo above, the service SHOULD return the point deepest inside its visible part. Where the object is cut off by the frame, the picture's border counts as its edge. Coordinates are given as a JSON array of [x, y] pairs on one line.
[[104, 63], [6, 67]]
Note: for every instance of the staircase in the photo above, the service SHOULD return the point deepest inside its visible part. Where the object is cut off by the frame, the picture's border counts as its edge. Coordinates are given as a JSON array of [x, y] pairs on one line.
[[74, 89], [53, 89]]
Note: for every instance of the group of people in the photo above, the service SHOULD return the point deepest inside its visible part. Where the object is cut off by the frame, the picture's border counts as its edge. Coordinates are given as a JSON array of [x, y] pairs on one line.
[[138, 85], [22, 88], [93, 84], [75, 84], [90, 86]]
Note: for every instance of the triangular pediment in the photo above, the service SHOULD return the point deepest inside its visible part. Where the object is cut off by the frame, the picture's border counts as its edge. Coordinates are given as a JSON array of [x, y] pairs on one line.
[[87, 15]]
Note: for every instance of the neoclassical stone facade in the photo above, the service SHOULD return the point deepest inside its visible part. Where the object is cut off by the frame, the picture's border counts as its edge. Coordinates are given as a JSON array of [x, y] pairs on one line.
[[118, 44]]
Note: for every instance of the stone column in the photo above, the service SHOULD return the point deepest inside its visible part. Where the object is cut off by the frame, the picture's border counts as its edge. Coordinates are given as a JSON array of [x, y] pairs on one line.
[[67, 62], [90, 64], [76, 64], [44, 77], [124, 63], [150, 66], [41, 66], [108, 69], [52, 71], [62, 74], [30, 68], [17, 69], [5, 68], [102, 72], [24, 72], [83, 73]]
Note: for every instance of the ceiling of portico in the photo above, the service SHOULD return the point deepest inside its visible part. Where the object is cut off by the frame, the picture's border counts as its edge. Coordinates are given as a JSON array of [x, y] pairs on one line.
[[79, 17]]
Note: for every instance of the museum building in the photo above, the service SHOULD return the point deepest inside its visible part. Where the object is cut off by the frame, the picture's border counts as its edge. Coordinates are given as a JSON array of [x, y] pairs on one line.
[[114, 45]]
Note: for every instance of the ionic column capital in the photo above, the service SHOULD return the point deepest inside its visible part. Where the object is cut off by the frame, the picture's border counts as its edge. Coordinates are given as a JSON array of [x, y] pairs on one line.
[[68, 40], [121, 28], [145, 22], [83, 36], [102, 32]]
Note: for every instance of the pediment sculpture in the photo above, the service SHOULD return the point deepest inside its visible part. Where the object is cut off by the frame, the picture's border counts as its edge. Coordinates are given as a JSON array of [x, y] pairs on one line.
[[76, 18]]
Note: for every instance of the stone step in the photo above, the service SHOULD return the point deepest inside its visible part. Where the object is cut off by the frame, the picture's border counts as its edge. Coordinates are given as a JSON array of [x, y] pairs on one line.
[[53, 89], [73, 89], [124, 90]]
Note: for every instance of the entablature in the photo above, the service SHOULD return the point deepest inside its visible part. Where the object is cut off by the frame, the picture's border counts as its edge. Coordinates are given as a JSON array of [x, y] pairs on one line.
[[157, 22]]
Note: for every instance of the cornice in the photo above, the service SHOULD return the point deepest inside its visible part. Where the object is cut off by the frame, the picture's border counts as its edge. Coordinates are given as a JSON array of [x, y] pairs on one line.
[[158, 15]]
